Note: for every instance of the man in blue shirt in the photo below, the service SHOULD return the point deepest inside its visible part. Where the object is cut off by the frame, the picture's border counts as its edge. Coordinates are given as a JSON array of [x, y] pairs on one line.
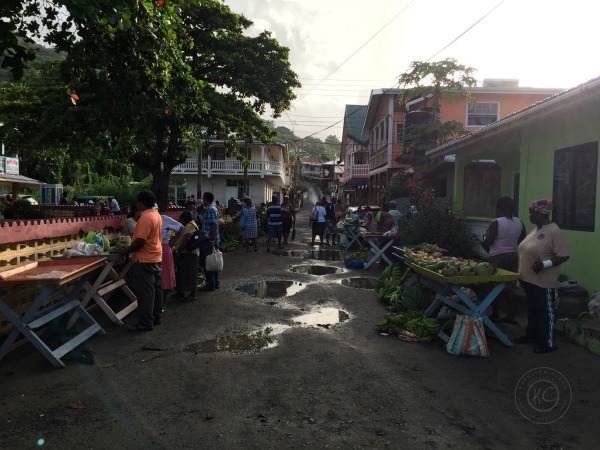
[[210, 224], [274, 221]]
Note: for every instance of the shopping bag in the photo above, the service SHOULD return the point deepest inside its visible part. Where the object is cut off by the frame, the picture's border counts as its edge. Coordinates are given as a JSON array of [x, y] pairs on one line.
[[468, 337], [214, 261]]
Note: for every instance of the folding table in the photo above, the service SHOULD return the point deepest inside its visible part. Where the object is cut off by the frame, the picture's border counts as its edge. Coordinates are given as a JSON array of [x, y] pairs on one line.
[[447, 286], [102, 289], [353, 236], [373, 241], [51, 277]]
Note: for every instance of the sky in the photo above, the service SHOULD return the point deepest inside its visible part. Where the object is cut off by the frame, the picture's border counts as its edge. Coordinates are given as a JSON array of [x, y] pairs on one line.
[[341, 49]]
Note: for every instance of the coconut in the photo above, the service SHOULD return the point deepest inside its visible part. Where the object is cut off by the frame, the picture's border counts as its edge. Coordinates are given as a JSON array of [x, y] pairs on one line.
[[484, 269]]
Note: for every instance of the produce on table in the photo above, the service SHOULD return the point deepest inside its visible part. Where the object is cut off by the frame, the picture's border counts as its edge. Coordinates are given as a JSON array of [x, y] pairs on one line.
[[118, 245], [448, 266]]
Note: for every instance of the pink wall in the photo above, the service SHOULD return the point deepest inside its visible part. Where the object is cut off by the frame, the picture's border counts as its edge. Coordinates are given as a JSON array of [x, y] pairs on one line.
[[509, 103]]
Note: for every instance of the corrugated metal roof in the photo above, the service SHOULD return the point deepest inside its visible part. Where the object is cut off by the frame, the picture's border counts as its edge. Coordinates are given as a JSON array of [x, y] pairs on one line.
[[354, 118], [20, 179]]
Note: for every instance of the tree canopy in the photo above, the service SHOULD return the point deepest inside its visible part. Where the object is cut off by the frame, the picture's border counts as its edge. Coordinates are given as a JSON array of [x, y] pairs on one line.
[[154, 79], [432, 81]]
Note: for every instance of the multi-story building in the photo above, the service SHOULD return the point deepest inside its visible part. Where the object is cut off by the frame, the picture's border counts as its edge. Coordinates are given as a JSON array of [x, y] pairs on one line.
[[268, 173], [354, 183], [385, 120]]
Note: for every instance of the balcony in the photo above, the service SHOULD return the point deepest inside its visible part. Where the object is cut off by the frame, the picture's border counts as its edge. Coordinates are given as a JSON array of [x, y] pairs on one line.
[[230, 167], [357, 171]]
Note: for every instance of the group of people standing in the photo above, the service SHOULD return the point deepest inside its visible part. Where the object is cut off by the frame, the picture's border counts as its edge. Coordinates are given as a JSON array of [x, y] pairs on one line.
[[324, 218], [152, 250], [536, 257]]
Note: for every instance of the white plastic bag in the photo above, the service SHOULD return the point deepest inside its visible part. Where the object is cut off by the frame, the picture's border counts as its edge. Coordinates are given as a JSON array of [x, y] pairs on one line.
[[83, 249], [214, 261], [468, 337]]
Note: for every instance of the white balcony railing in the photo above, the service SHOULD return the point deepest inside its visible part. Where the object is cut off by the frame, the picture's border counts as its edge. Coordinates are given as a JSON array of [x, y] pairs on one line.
[[230, 167]]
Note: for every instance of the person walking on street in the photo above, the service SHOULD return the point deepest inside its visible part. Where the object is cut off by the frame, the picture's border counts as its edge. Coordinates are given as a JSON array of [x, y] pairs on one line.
[[147, 246], [274, 222], [318, 222], [540, 255], [288, 218], [210, 224], [501, 241], [251, 226], [330, 220]]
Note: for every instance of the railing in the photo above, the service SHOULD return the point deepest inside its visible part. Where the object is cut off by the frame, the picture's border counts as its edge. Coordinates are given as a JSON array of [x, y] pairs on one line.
[[228, 167]]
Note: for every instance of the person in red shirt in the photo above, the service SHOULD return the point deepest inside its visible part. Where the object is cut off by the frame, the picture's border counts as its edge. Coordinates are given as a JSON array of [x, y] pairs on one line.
[[147, 246]]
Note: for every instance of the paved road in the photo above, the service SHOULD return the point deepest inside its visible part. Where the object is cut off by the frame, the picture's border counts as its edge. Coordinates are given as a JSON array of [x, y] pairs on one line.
[[343, 386]]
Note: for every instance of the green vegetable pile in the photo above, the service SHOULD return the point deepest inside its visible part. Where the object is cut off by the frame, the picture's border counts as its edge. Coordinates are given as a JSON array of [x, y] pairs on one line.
[[117, 246], [414, 322], [360, 256], [229, 245]]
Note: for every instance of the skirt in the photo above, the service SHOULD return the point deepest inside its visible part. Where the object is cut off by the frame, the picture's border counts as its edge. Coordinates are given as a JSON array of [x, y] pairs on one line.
[[167, 272], [318, 228], [187, 272]]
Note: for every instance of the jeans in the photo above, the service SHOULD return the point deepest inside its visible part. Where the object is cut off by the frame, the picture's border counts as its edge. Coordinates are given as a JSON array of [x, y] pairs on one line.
[[212, 278], [148, 290]]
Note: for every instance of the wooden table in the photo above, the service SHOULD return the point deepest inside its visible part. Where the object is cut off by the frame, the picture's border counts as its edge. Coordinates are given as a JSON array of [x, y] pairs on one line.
[[353, 236], [102, 289], [374, 241], [448, 286], [50, 277]]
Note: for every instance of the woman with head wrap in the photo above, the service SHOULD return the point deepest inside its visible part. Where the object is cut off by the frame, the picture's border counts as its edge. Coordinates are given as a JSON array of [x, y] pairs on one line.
[[540, 255]]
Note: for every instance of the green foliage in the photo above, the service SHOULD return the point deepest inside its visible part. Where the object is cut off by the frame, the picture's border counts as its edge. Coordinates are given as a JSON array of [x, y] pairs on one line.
[[437, 222], [398, 186], [433, 81]]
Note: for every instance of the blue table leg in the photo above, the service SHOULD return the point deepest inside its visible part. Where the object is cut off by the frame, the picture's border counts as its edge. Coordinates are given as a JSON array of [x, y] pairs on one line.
[[379, 253]]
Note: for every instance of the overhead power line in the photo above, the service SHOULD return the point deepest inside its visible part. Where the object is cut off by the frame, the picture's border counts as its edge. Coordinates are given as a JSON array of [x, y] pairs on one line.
[[361, 47], [430, 58]]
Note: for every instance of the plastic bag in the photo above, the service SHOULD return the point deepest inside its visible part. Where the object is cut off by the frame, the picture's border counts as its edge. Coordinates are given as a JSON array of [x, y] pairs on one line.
[[83, 249], [468, 337], [90, 237], [214, 261], [594, 305]]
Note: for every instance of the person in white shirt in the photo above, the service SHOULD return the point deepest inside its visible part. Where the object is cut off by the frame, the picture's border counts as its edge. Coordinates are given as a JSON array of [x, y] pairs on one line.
[[318, 221], [114, 206]]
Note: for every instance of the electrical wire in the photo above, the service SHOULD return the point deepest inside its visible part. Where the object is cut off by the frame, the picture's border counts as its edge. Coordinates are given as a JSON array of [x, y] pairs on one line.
[[434, 55], [359, 48]]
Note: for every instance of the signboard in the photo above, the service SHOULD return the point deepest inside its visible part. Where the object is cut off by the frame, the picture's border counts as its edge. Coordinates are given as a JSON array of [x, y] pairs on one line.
[[11, 165]]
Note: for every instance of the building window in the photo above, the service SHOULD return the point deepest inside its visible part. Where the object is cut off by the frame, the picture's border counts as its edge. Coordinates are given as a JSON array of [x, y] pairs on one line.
[[481, 114], [574, 193], [218, 153], [400, 133]]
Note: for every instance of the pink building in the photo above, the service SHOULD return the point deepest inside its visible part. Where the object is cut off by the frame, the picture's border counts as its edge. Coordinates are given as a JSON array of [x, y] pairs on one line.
[[385, 120]]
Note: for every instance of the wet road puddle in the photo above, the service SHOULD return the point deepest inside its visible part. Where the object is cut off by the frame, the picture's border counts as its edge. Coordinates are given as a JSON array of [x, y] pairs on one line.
[[310, 269], [267, 338], [322, 318], [240, 343], [359, 283], [321, 255], [272, 289]]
